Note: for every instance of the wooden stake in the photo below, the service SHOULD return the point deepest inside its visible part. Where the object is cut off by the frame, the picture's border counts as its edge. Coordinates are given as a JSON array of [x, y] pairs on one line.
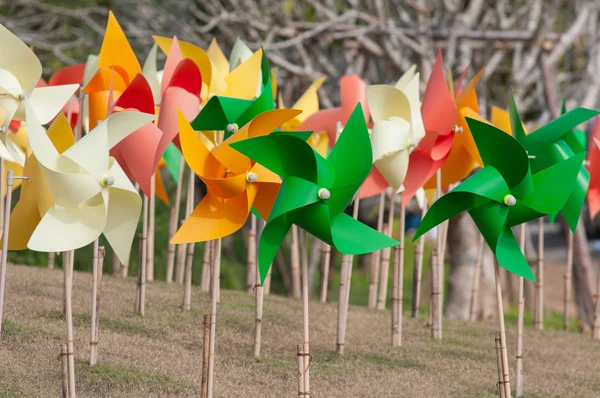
[[306, 354], [568, 274], [384, 268], [51, 256], [520, 318], [596, 327], [268, 282], [295, 259], [436, 327], [64, 367], [376, 257], [206, 264], [259, 291], [68, 286], [174, 222], [539, 283], [326, 250], [205, 356], [187, 288], [251, 270], [418, 271], [213, 317], [2, 193], [301, 370], [505, 368], [500, 382], [397, 288], [141, 299], [344, 294], [150, 237], [10, 177], [93, 313], [101, 254], [473, 312]]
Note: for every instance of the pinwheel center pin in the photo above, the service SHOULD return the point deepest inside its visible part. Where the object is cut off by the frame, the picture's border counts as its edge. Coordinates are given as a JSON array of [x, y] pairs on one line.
[[510, 200], [251, 177], [409, 143], [324, 193], [232, 128], [21, 96], [3, 130], [458, 129], [107, 181]]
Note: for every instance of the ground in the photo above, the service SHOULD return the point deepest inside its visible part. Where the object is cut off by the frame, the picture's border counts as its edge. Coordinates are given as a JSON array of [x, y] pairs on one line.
[[160, 354]]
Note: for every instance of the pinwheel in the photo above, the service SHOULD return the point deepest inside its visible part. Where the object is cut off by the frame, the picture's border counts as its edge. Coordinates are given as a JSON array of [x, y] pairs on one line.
[[36, 198], [593, 194], [505, 193], [463, 156], [92, 193], [20, 71], [17, 133], [397, 126], [315, 191], [234, 183], [552, 143], [439, 117]]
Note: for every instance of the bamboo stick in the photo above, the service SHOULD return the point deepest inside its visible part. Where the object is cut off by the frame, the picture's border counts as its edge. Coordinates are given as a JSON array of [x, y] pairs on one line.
[[64, 368], [326, 250], [141, 299], [122, 269], [259, 292], [295, 260], [2, 193], [439, 259], [180, 260], [51, 255], [539, 283], [174, 222], [500, 382], [376, 257], [205, 356], [187, 287], [10, 177], [474, 305], [213, 316], [436, 327], [568, 275], [251, 270], [300, 356], [93, 314], [268, 282], [206, 264], [596, 327], [101, 254], [150, 237], [306, 352], [384, 269], [418, 270], [520, 318], [397, 290], [68, 287], [136, 304], [505, 368]]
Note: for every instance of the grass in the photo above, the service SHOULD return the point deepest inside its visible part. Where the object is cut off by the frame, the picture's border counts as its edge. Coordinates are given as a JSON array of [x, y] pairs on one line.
[[160, 354]]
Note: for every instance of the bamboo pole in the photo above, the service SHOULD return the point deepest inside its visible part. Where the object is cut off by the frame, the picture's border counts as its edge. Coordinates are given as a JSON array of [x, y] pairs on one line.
[[474, 305], [418, 270], [306, 352], [259, 292], [141, 299], [180, 260], [505, 368], [136, 304], [384, 268], [268, 282], [64, 368], [539, 283], [205, 356], [150, 237], [251, 270], [520, 318], [123, 269], [500, 382], [213, 316], [376, 257], [440, 249], [51, 256], [326, 250], [436, 327], [10, 177], [68, 287], [596, 327], [398, 291], [2, 193], [300, 356], [206, 264], [93, 314], [174, 222], [187, 287], [568, 275], [344, 294], [101, 254], [295, 260]]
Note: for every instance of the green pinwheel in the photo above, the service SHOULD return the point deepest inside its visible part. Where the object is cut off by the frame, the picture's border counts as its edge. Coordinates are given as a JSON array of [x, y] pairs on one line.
[[315, 191], [552, 143], [505, 193], [229, 114]]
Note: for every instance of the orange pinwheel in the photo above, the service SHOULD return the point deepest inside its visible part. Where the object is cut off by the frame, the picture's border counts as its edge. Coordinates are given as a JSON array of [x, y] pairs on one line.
[[234, 183], [439, 117], [593, 193]]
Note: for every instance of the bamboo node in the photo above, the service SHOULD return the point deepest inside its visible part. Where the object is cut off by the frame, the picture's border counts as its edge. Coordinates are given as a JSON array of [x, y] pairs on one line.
[[93, 342]]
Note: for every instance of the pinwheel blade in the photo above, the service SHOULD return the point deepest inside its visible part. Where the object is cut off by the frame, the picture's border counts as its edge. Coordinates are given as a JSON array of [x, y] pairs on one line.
[[350, 236], [271, 239]]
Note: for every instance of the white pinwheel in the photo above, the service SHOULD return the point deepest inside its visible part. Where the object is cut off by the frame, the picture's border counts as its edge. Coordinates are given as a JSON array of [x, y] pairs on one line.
[[397, 126], [92, 193], [20, 71]]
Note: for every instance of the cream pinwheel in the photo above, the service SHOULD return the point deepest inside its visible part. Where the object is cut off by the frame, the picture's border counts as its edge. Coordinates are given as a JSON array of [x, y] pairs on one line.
[[20, 71], [92, 193], [397, 126]]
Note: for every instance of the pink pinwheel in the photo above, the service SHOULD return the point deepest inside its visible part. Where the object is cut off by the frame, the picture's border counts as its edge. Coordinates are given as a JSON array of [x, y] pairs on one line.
[[593, 193]]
